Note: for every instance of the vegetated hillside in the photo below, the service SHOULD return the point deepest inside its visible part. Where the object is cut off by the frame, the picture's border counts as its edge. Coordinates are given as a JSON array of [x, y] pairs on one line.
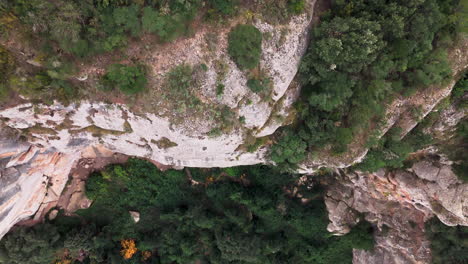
[[188, 69], [366, 55]]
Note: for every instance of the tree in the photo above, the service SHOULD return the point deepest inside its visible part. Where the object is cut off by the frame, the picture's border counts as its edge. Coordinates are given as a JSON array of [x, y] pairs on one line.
[[259, 85], [226, 7], [244, 217], [129, 79], [35, 245], [235, 246], [245, 46], [448, 244], [128, 248], [349, 43], [179, 78], [65, 25], [127, 18], [288, 151]]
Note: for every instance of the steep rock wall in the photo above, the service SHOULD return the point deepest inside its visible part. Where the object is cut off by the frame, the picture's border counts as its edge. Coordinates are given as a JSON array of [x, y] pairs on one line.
[[48, 141]]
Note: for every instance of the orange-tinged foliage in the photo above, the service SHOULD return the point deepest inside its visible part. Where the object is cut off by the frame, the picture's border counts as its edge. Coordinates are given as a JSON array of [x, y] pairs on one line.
[[210, 179], [128, 248]]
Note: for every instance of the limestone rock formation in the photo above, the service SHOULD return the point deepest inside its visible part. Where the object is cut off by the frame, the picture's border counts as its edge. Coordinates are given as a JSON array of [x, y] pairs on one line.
[[31, 180], [46, 151], [398, 203], [57, 138]]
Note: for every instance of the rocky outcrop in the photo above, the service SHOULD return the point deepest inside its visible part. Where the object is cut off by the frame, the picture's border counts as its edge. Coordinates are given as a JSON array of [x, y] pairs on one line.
[[398, 202], [31, 179], [446, 124], [58, 138]]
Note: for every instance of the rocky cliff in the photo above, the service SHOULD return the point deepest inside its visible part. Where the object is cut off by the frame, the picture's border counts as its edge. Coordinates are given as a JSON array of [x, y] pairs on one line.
[[41, 144], [398, 202], [45, 149]]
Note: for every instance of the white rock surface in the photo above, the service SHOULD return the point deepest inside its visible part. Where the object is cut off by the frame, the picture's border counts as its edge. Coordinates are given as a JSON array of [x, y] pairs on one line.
[[398, 203], [26, 187], [59, 136]]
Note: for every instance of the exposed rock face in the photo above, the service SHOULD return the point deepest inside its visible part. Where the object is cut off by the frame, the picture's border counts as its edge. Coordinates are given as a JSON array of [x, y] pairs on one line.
[[58, 138], [31, 179], [449, 118], [135, 216], [398, 202], [71, 128], [66, 142]]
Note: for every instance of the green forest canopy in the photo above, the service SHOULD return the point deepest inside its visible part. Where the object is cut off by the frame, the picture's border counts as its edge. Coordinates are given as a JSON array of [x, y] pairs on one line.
[[365, 53], [238, 215]]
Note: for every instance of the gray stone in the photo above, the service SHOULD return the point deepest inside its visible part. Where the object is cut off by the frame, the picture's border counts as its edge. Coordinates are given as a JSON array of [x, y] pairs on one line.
[[426, 170]]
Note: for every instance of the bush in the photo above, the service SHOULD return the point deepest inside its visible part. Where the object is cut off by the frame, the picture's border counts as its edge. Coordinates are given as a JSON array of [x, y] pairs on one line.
[[220, 89], [391, 151], [289, 151], [167, 27], [129, 79], [245, 46], [226, 7], [259, 85], [296, 6], [179, 79], [460, 88], [6, 68], [458, 152]]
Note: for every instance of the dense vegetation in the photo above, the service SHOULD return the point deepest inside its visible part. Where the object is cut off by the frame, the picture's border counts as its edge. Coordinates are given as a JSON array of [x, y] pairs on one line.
[[129, 79], [364, 54], [64, 33], [456, 148], [235, 215], [448, 243], [88, 27], [245, 46], [391, 151]]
